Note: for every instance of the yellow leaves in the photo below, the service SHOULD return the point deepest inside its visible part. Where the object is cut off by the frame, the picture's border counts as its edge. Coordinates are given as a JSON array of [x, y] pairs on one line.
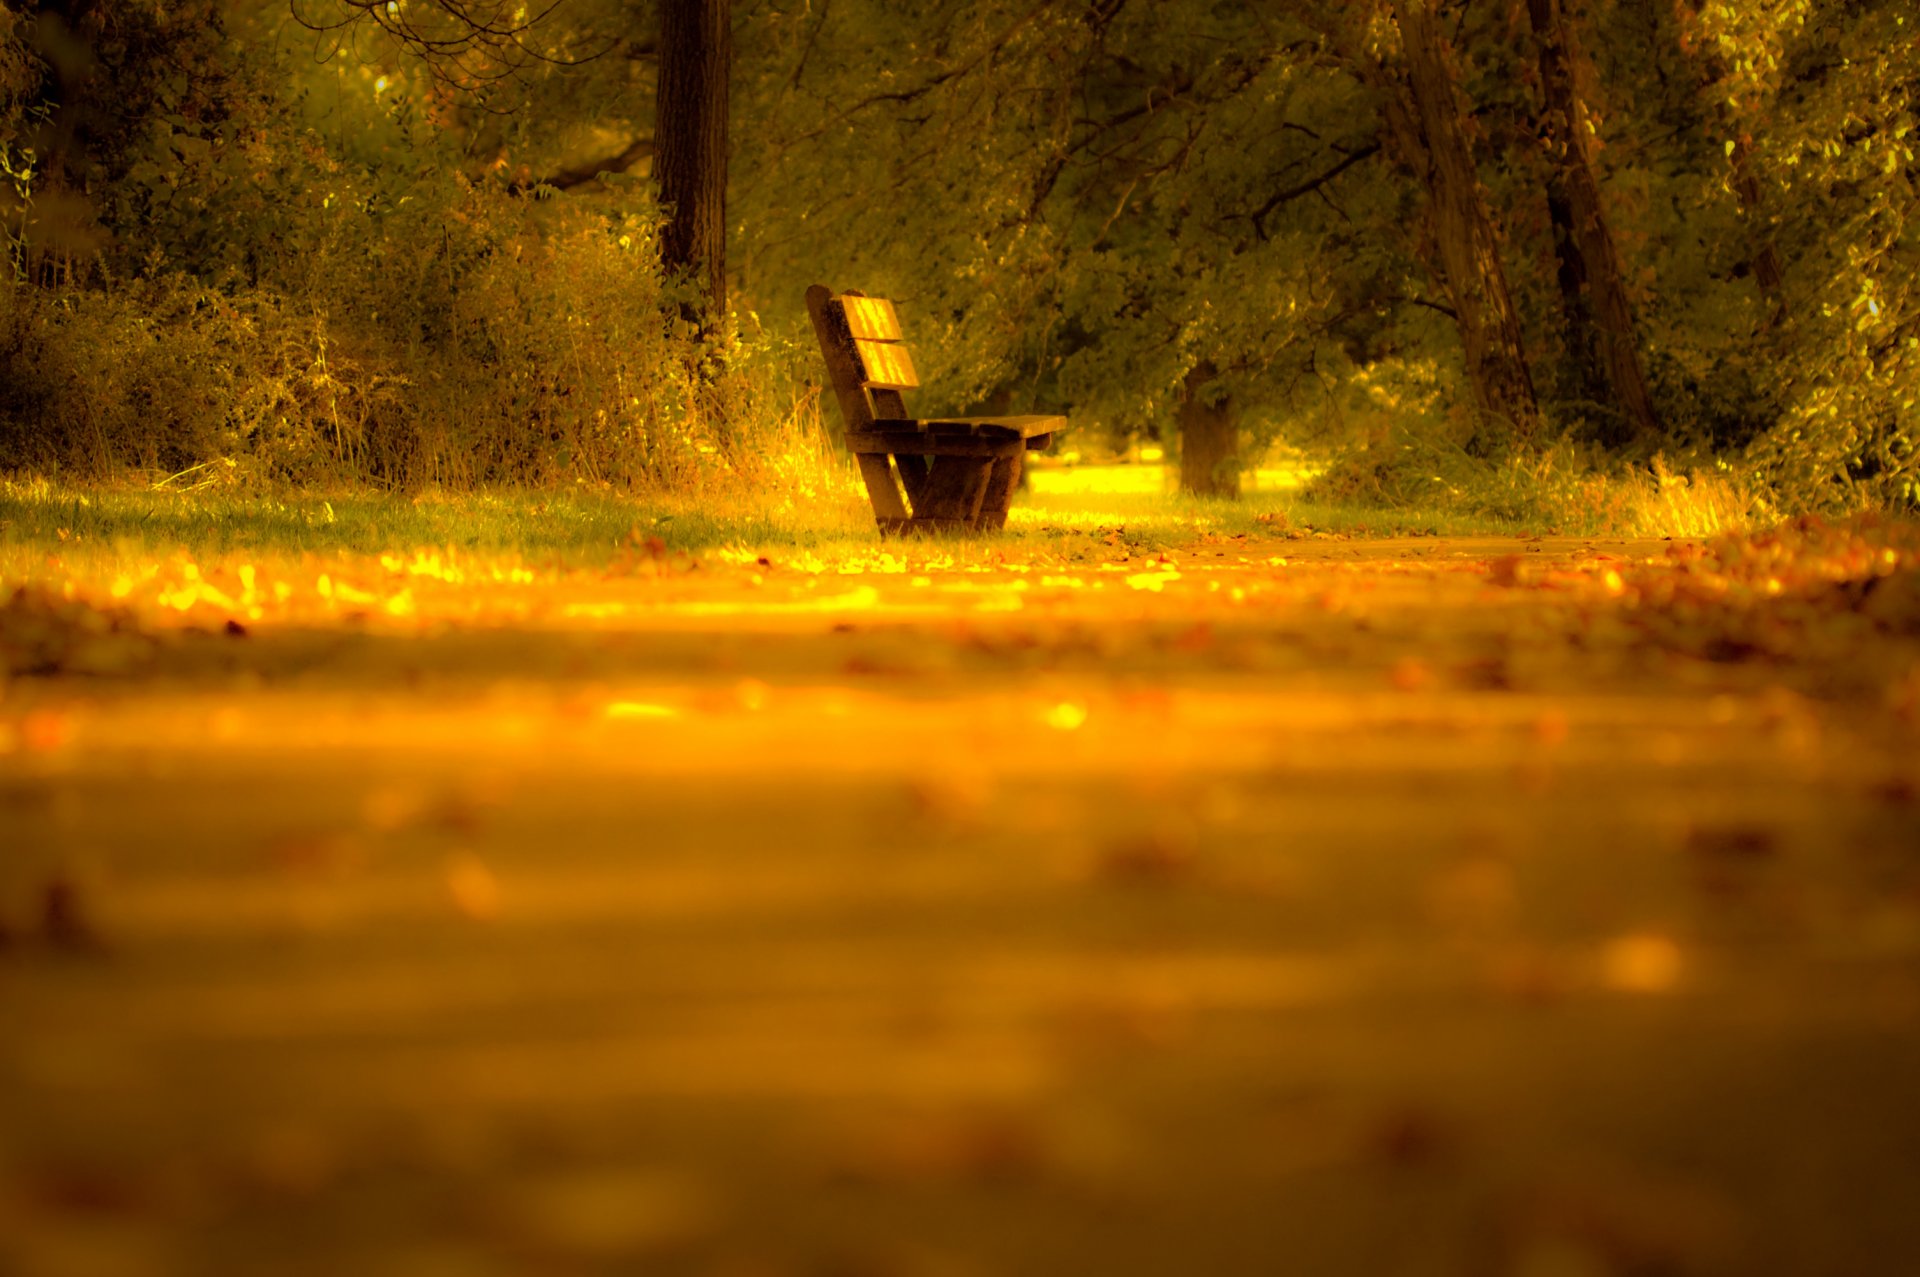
[[471, 886], [1153, 582], [1642, 962], [752, 695], [1067, 716], [424, 563], [1507, 570], [1410, 674], [632, 710], [47, 632]]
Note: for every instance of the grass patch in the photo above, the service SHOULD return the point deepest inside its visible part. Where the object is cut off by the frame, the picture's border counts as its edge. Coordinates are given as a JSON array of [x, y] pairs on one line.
[[1561, 490], [584, 526], [589, 527], [1137, 497]]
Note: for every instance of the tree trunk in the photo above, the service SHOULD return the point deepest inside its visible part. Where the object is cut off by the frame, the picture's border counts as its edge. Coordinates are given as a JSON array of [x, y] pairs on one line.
[[1209, 438], [1763, 259], [1466, 245], [690, 142], [1581, 334], [1761, 256], [1598, 313]]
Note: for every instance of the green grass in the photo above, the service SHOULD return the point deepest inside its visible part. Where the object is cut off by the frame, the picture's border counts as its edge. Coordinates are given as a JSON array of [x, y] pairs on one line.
[[1164, 518], [581, 526], [592, 526], [588, 527]]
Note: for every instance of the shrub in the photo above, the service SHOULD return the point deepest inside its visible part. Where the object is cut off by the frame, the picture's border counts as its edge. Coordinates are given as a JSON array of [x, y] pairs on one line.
[[454, 335]]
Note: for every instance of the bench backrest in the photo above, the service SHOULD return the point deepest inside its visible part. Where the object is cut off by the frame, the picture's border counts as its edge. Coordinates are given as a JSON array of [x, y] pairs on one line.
[[866, 358]]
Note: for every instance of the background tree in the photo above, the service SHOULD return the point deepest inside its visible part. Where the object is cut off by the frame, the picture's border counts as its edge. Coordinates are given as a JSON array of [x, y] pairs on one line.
[[691, 142], [1427, 122], [390, 251], [1601, 337]]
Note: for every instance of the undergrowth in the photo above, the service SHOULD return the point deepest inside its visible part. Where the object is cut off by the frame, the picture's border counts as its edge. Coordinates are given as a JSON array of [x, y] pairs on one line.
[[812, 502], [1562, 489]]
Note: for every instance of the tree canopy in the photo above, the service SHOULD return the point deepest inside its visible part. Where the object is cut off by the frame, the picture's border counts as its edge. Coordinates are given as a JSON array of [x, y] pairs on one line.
[[1405, 228]]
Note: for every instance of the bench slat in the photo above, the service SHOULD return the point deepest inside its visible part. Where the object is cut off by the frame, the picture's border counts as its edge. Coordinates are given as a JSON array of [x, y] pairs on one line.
[[925, 445], [843, 370], [871, 318], [1016, 427], [886, 363]]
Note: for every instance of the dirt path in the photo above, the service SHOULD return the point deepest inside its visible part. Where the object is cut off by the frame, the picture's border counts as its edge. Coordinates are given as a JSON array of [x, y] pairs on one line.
[[1432, 907]]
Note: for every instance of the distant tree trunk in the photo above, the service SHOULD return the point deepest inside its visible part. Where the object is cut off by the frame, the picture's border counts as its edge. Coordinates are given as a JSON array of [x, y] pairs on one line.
[[1464, 240], [1761, 256], [1209, 438], [690, 142], [1763, 259], [1600, 328], [1582, 336]]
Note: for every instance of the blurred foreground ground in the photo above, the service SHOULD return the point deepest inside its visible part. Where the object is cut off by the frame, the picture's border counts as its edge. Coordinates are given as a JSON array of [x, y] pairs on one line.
[[1543, 908]]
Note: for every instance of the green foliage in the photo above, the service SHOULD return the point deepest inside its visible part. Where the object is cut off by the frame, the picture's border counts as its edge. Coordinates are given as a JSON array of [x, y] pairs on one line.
[[1812, 105], [349, 305], [1562, 489], [529, 346], [1077, 206], [1840, 147], [345, 269]]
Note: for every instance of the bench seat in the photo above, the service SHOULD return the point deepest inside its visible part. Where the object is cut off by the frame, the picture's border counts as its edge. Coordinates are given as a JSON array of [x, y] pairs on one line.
[[949, 474], [957, 437], [995, 427]]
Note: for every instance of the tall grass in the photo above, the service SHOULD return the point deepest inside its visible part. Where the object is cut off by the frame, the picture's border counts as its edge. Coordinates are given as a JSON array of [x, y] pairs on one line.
[[1563, 489]]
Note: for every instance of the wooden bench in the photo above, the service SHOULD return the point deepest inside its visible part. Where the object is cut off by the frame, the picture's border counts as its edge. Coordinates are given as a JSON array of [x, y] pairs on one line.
[[946, 474]]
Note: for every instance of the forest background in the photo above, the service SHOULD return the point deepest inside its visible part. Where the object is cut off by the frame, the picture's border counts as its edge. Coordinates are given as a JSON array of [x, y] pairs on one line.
[[1469, 254]]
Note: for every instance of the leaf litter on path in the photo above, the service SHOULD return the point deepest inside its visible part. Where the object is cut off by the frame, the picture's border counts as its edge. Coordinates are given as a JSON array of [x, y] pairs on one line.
[[949, 907]]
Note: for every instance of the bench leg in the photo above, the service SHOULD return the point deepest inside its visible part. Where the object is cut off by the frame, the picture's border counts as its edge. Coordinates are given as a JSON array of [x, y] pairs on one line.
[[913, 477], [1004, 478], [950, 500], [882, 491], [950, 493]]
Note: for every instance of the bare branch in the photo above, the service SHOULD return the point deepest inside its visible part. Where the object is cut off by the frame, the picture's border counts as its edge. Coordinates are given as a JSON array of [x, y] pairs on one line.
[[464, 44]]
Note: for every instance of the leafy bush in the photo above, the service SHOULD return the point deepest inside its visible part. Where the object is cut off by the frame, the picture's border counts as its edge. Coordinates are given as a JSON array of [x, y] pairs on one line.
[[353, 308], [530, 343]]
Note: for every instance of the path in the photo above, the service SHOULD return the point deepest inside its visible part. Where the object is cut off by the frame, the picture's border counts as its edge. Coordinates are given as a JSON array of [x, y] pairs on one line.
[[1541, 908]]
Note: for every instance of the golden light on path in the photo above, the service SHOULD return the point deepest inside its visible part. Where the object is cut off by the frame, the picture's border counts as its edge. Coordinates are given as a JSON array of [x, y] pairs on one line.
[[1067, 716], [639, 710], [1644, 962], [835, 885]]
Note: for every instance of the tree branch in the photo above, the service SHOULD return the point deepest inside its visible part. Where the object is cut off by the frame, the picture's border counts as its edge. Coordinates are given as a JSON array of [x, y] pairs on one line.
[[462, 43], [1260, 215]]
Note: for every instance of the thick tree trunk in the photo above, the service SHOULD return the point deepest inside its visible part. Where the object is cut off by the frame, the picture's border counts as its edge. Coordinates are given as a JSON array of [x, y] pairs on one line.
[[1590, 275], [1463, 234], [690, 141], [1209, 438]]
